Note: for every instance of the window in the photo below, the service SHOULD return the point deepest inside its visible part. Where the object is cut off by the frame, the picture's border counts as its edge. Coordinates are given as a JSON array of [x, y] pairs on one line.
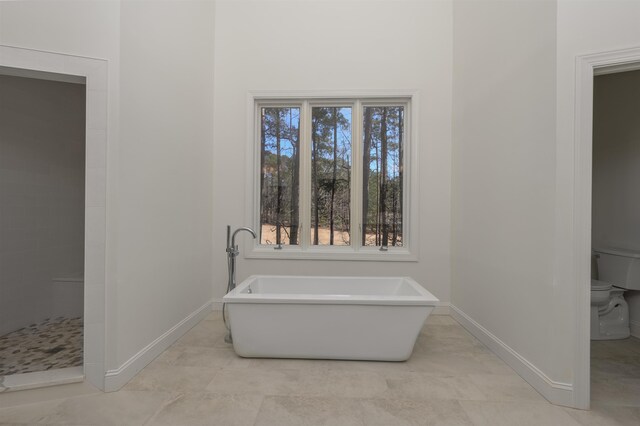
[[330, 177]]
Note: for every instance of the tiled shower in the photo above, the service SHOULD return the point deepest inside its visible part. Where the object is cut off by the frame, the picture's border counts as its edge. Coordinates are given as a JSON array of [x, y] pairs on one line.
[[42, 190]]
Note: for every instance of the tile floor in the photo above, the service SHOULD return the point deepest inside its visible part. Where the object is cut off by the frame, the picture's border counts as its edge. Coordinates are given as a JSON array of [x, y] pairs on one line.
[[451, 379], [52, 344]]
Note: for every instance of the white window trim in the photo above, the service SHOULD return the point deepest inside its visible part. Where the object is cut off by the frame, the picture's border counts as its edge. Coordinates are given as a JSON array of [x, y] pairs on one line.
[[306, 99]]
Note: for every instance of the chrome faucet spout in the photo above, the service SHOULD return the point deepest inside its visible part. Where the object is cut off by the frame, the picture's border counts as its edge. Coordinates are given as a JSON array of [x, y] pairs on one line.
[[233, 238], [232, 253]]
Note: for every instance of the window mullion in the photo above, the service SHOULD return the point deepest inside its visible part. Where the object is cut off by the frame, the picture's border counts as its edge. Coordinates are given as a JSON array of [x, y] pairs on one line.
[[305, 175], [356, 176]]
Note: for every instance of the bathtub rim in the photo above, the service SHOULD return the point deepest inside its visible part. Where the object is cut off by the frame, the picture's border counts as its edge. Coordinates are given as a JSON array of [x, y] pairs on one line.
[[425, 298]]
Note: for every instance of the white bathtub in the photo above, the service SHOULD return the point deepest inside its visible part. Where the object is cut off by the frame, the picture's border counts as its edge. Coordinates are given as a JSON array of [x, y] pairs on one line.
[[352, 318]]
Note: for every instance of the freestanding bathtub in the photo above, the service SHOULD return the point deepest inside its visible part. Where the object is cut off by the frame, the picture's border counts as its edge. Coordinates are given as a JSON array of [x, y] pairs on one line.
[[351, 318]]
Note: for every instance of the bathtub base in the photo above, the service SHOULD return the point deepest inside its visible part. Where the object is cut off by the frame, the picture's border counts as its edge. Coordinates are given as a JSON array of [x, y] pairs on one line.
[[320, 331]]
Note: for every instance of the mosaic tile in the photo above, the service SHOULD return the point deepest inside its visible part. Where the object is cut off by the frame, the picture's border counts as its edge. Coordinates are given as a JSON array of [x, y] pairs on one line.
[[52, 344]]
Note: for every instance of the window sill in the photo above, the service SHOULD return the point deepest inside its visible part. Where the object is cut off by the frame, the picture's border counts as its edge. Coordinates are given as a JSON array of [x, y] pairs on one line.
[[333, 253]]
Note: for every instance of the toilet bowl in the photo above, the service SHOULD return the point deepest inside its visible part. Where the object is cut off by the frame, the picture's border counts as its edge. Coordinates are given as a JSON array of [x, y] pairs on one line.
[[600, 292], [609, 312], [618, 271]]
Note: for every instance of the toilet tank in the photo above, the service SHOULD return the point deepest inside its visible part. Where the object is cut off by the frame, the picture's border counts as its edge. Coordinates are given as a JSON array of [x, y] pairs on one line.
[[619, 267]]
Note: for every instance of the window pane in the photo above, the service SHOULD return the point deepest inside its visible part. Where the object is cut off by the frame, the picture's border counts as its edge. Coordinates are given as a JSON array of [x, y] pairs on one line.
[[383, 129], [280, 175], [330, 176]]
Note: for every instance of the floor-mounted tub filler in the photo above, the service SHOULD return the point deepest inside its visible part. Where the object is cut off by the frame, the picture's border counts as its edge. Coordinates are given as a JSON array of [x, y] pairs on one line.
[[350, 318]]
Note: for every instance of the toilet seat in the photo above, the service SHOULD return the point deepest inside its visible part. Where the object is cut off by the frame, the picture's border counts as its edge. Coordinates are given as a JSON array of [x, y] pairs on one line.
[[597, 285]]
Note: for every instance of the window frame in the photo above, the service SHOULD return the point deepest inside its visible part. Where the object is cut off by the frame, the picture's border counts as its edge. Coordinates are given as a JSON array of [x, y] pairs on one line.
[[357, 100]]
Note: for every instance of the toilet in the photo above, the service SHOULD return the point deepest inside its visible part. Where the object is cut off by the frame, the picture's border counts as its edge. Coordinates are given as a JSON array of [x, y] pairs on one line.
[[618, 271]]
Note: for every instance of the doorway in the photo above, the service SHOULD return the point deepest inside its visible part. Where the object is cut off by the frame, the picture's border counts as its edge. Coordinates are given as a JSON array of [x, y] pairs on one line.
[[42, 177], [615, 346], [588, 67], [32, 64]]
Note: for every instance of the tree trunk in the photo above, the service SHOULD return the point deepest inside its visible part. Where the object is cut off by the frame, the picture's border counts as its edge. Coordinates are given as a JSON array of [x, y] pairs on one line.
[[394, 221]]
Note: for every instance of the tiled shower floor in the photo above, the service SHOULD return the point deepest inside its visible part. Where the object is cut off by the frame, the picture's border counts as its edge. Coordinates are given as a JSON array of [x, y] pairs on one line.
[[52, 344]]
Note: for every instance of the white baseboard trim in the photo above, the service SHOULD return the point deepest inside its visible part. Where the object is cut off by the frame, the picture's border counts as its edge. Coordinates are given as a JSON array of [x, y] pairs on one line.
[[635, 328], [555, 392], [115, 379]]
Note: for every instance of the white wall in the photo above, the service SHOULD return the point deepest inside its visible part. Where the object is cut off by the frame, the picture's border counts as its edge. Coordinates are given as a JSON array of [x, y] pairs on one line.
[[165, 189], [504, 171], [616, 168], [160, 109], [319, 45], [42, 145]]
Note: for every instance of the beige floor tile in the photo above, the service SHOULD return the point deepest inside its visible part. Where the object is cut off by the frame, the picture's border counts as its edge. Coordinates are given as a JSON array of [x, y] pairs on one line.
[[207, 334], [214, 316], [450, 379], [283, 364], [620, 365], [387, 412], [253, 381], [449, 343], [237, 362], [417, 386], [502, 387], [493, 364], [615, 348], [158, 377], [606, 415], [351, 384], [51, 393], [368, 366], [440, 320], [448, 364], [449, 346], [28, 413], [516, 413], [198, 409], [446, 330], [116, 408], [615, 391], [197, 356], [309, 411]]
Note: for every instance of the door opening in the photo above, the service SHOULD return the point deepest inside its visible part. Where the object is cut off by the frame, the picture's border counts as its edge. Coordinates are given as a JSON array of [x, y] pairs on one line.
[[588, 67], [87, 272]]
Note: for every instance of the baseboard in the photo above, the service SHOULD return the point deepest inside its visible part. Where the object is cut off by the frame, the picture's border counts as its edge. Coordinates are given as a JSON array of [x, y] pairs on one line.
[[635, 328], [555, 392], [115, 379]]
